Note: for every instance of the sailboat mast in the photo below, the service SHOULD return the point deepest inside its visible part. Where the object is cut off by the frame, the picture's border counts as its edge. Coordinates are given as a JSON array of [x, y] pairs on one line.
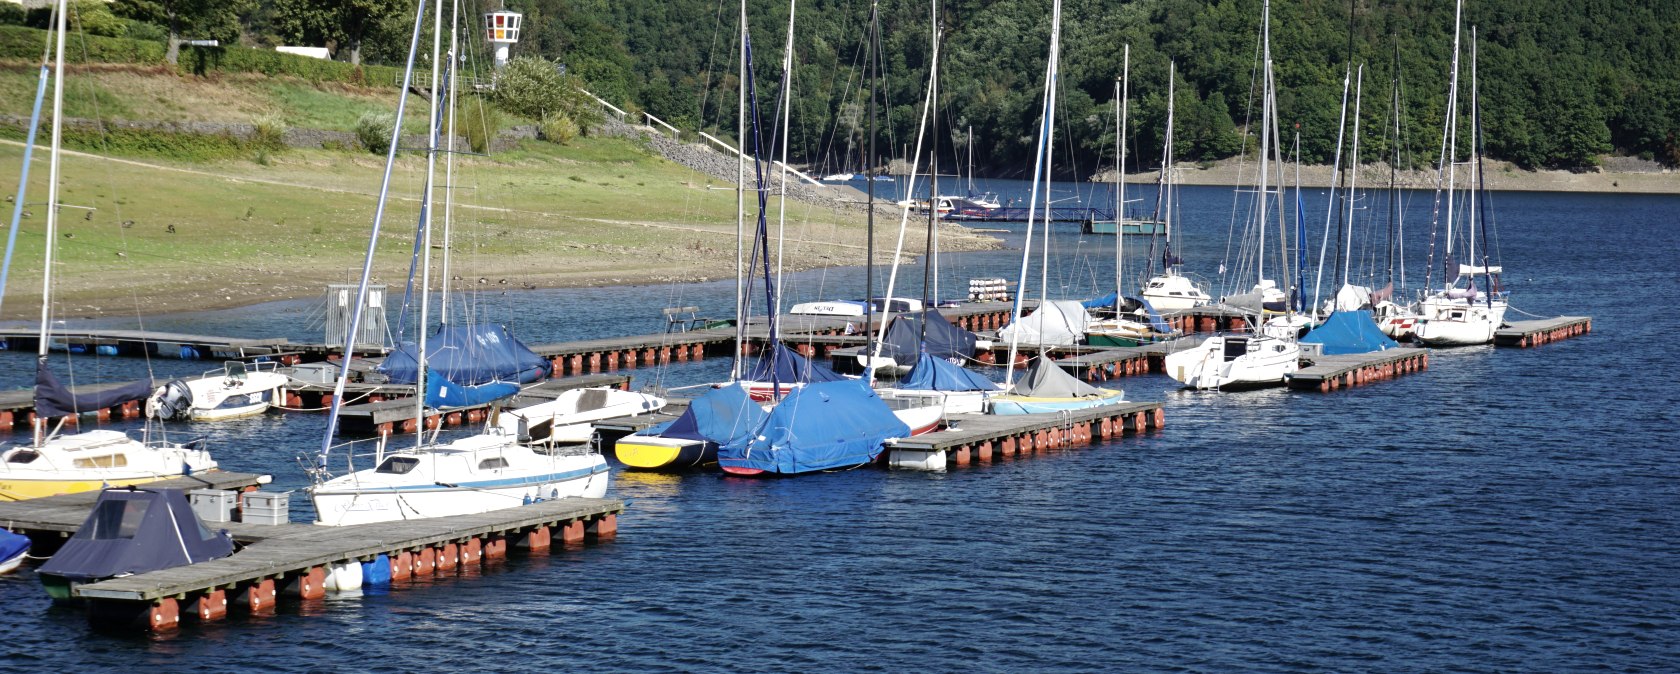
[[1032, 200], [1335, 182], [449, 157], [741, 205], [869, 180], [1166, 197], [52, 196], [787, 114], [1265, 136], [1451, 157], [1394, 172], [1120, 125], [1353, 178], [1049, 156], [930, 268], [426, 234]]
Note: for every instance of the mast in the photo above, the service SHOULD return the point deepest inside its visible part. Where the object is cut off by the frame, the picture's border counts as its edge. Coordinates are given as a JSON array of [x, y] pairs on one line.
[[1039, 169], [1481, 179], [1394, 172], [874, 66], [373, 240], [741, 206], [1335, 204], [929, 270], [1166, 198], [1123, 90], [787, 114], [1353, 180], [52, 198], [426, 236], [1265, 134], [1451, 157], [449, 157]]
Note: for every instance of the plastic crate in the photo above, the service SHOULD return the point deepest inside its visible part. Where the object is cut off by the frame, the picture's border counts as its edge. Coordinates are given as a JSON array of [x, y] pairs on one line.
[[265, 507], [213, 505]]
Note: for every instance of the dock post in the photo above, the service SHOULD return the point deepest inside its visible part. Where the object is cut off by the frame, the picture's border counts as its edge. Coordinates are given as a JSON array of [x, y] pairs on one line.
[[629, 358], [495, 547], [1159, 418], [605, 526], [210, 605], [577, 363], [259, 596], [310, 583], [537, 538], [698, 352], [164, 616], [472, 551], [448, 555], [571, 533], [402, 565]]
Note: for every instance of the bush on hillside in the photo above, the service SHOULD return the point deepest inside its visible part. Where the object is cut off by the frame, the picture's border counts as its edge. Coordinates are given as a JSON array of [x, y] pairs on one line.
[[374, 131], [17, 42], [268, 132], [533, 87], [557, 127], [478, 121]]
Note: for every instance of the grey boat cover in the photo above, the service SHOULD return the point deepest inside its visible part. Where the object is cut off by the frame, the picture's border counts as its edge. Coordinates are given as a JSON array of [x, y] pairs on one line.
[[134, 530], [1249, 302], [1044, 379], [53, 399]]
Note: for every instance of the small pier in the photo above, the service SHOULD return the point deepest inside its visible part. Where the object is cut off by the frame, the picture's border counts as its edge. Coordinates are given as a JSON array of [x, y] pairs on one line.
[[396, 415], [49, 520], [1329, 373], [983, 438], [1524, 334], [147, 343]]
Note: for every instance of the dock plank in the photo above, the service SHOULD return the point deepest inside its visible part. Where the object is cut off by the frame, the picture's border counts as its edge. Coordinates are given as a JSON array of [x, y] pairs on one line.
[[965, 429], [64, 513], [1523, 334]]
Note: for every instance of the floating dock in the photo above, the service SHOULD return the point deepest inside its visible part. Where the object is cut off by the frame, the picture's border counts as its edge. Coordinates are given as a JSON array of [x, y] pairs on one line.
[[983, 438], [290, 562], [385, 417], [1329, 373], [147, 343], [1524, 334]]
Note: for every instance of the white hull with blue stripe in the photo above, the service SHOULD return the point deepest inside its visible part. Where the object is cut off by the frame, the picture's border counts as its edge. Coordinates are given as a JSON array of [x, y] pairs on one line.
[[476, 474]]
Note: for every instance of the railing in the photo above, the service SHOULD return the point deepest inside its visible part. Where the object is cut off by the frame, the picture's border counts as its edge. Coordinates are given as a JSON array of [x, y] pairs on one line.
[[731, 149]]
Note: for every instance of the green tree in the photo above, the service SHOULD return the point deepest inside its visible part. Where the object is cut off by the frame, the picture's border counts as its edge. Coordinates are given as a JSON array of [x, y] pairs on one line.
[[534, 88], [188, 19], [346, 24]]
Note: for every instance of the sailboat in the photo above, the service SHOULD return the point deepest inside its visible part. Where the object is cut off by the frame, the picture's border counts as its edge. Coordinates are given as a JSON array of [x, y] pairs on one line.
[[1121, 330], [1462, 312], [1170, 290], [60, 463], [487, 471], [1262, 358]]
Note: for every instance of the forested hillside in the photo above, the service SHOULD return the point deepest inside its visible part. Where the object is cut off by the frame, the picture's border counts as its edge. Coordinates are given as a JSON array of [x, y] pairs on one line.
[[1561, 81]]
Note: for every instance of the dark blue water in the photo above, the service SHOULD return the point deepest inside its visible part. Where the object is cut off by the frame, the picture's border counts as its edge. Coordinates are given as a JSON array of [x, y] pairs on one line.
[[1505, 510]]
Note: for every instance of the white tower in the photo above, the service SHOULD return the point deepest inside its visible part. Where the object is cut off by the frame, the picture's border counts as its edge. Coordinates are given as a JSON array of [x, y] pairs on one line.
[[501, 28]]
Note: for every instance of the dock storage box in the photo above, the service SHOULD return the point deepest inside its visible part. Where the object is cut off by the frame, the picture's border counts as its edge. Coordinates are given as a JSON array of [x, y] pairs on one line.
[[213, 505], [265, 507], [316, 373]]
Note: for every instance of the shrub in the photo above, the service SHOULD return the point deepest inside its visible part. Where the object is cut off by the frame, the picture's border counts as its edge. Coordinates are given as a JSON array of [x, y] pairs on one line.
[[374, 131], [26, 43], [478, 121], [557, 127], [532, 87], [268, 132]]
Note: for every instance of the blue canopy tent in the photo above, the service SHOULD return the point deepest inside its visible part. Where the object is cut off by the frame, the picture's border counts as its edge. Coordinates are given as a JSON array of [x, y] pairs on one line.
[[821, 426], [1346, 332], [905, 341], [468, 355], [934, 374], [133, 531]]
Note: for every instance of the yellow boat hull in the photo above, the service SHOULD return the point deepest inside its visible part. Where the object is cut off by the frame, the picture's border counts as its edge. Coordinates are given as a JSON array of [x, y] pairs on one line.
[[17, 490], [656, 453]]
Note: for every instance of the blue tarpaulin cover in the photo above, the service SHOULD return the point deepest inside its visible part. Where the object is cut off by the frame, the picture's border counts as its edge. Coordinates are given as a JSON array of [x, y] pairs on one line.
[[12, 545], [1346, 332], [723, 415], [821, 426], [52, 399], [934, 374], [788, 367], [905, 342], [469, 355], [442, 393], [135, 531]]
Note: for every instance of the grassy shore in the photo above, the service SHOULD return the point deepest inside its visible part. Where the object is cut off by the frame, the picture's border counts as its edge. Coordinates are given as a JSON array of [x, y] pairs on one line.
[[173, 236]]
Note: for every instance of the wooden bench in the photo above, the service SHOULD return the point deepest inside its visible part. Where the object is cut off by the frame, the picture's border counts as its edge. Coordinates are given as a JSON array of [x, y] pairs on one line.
[[683, 319]]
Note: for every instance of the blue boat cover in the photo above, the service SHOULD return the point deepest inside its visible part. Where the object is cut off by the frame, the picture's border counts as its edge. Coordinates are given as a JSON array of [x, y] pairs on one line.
[[904, 341], [820, 426], [788, 367], [934, 374], [134, 531], [1346, 332], [1156, 323], [442, 393], [12, 545], [723, 415], [52, 399], [469, 355], [1108, 300]]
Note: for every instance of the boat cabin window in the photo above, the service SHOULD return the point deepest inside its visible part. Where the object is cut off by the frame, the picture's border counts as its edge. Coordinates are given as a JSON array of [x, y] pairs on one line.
[[398, 465], [1235, 348], [117, 518], [107, 461], [23, 456], [492, 463], [234, 369], [1457, 315]]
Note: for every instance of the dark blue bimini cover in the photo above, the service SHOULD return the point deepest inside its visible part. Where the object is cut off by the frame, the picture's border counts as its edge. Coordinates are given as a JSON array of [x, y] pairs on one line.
[[135, 531], [12, 545], [723, 415], [1101, 302], [820, 426], [469, 355], [442, 393], [52, 399], [904, 342], [1156, 323], [1347, 332], [934, 374], [788, 367]]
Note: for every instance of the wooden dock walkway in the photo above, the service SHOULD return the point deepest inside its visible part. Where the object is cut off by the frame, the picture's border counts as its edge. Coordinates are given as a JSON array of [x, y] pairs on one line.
[[1329, 373], [50, 519], [983, 438], [1524, 334], [150, 343]]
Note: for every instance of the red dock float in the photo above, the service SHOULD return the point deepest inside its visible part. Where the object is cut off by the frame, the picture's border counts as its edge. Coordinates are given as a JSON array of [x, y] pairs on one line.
[[1525, 334]]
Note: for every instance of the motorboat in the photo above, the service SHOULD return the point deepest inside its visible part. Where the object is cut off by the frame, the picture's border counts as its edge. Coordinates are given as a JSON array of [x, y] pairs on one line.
[[236, 390], [568, 418], [78, 462], [1226, 362], [1173, 292], [132, 531]]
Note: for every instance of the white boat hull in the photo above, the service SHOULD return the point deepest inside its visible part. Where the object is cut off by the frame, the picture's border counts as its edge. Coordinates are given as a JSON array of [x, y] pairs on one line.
[[1172, 292], [1449, 322], [569, 418], [952, 402], [1228, 362]]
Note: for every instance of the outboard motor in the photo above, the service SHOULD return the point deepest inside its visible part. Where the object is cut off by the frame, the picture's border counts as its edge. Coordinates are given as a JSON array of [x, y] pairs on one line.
[[171, 402]]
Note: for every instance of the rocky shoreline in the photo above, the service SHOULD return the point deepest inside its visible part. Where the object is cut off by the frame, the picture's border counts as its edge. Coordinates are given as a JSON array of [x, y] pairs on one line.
[[1616, 175]]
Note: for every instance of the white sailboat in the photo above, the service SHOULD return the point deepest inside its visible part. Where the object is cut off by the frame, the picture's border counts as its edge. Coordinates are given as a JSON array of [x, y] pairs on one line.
[[488, 471], [1461, 313], [59, 463], [1170, 290], [1263, 358]]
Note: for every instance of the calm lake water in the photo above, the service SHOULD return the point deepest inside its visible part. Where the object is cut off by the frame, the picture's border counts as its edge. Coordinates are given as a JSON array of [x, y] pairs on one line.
[[1505, 510]]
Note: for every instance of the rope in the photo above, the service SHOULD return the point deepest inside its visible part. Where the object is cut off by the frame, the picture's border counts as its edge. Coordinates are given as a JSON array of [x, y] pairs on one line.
[[1520, 311]]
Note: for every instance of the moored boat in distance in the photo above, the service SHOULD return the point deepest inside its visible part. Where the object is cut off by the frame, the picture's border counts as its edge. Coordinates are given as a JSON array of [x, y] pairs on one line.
[[236, 390], [566, 420]]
